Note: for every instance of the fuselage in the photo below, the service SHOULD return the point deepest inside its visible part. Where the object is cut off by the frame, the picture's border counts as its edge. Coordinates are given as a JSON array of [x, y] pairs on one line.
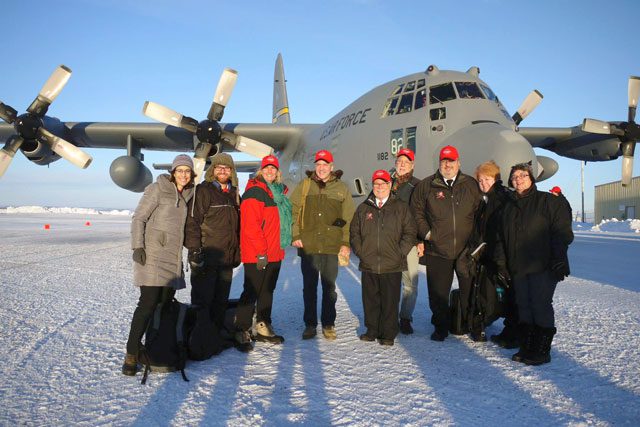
[[423, 111]]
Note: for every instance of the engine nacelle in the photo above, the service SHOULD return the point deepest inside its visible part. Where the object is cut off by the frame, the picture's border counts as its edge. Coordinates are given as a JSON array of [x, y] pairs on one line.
[[39, 153], [130, 173], [547, 167]]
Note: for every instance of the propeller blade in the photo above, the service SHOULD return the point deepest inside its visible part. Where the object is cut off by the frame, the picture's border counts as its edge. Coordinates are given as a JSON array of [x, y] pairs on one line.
[[56, 83], [247, 145], [65, 149], [8, 152], [596, 126], [51, 89], [223, 93], [627, 170], [7, 113], [634, 91], [198, 168], [168, 116], [528, 105]]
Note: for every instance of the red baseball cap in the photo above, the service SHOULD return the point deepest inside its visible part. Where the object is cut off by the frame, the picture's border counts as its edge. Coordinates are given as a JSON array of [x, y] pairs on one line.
[[270, 160], [555, 190], [381, 174], [406, 152], [324, 155], [449, 152]]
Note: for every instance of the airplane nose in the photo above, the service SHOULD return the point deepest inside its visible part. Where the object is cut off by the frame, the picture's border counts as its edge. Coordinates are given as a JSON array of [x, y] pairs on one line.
[[482, 142]]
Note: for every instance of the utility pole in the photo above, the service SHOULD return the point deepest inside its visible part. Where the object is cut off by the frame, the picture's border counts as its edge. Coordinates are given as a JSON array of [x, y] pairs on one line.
[[582, 184]]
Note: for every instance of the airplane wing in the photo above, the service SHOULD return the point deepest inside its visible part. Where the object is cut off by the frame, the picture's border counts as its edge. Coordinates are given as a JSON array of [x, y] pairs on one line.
[[574, 143]]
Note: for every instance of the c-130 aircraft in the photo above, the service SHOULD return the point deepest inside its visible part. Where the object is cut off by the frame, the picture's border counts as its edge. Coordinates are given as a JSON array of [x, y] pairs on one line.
[[424, 111]]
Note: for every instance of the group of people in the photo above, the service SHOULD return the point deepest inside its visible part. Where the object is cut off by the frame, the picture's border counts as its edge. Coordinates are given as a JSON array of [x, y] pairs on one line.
[[438, 221]]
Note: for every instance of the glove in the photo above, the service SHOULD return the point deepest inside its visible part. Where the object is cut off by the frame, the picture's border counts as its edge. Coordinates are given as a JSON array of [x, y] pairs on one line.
[[139, 256], [196, 258], [560, 269], [262, 262]]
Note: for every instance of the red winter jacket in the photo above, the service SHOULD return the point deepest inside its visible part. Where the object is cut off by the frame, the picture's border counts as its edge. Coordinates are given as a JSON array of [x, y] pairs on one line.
[[259, 224]]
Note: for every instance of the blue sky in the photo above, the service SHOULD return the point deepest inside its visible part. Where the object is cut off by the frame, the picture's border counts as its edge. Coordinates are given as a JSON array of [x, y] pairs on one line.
[[578, 54]]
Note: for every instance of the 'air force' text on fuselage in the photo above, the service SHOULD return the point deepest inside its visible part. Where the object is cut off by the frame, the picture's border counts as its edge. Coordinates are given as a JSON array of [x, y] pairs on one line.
[[346, 121]]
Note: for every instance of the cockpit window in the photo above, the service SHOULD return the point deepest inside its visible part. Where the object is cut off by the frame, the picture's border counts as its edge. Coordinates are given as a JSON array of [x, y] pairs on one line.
[[412, 98], [441, 93], [468, 90], [390, 107], [490, 95], [398, 89], [406, 103], [421, 98]]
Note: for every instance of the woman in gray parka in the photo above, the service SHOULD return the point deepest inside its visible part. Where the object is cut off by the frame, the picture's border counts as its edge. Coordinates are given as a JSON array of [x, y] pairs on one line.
[[157, 236]]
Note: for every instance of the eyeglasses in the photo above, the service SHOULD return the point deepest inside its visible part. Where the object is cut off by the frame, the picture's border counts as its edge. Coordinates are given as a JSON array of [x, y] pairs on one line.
[[182, 171], [517, 176], [403, 162], [222, 168], [380, 184]]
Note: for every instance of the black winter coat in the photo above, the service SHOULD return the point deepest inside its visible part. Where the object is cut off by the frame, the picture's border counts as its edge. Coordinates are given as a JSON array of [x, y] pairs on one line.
[[447, 213], [215, 225], [535, 232], [382, 237]]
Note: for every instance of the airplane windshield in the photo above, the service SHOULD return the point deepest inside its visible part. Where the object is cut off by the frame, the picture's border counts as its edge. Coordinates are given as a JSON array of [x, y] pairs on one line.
[[469, 90], [490, 95], [441, 93], [411, 98]]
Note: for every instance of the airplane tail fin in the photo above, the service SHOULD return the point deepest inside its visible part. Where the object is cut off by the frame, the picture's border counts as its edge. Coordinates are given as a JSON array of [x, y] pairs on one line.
[[280, 100]]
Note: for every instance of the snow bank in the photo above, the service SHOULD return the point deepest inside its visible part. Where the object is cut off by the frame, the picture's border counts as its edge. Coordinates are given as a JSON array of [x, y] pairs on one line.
[[618, 226], [46, 210]]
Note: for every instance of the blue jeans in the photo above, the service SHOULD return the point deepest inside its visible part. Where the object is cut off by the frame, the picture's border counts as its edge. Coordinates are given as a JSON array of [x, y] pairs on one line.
[[325, 266]]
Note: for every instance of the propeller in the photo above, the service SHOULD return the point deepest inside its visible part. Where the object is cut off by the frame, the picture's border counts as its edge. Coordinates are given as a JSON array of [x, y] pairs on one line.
[[208, 131], [30, 126], [528, 105], [628, 132]]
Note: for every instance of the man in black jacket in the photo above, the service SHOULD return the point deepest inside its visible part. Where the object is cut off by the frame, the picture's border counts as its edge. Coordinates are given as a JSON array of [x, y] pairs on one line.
[[445, 205], [212, 237], [382, 233]]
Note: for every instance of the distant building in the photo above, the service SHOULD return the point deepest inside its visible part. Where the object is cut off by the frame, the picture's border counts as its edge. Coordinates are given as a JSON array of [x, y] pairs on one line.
[[612, 200]]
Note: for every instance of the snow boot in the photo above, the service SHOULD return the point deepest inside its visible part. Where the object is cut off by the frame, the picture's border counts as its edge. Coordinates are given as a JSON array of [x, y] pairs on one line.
[[309, 332], [263, 332], [243, 341], [508, 338], [130, 365], [541, 352], [329, 332], [405, 327], [527, 334]]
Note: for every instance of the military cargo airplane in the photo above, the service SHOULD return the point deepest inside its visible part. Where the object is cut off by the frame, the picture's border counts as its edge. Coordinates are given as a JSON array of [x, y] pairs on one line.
[[423, 111]]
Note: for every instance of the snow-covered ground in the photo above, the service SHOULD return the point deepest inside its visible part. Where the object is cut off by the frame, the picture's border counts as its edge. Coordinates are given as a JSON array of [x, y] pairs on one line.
[[67, 300]]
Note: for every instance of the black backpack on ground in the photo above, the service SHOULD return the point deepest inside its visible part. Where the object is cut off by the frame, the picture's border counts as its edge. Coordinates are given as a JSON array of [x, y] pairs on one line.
[[488, 302], [204, 338], [164, 348]]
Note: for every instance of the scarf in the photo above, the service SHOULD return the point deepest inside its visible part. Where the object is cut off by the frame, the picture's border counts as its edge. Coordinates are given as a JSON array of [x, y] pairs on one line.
[[284, 211]]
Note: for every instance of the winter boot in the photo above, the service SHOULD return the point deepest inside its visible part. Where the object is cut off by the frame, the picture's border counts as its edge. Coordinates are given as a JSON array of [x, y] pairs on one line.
[[508, 338], [527, 334], [243, 341], [541, 352], [263, 332], [309, 332], [130, 365], [405, 327], [329, 332]]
